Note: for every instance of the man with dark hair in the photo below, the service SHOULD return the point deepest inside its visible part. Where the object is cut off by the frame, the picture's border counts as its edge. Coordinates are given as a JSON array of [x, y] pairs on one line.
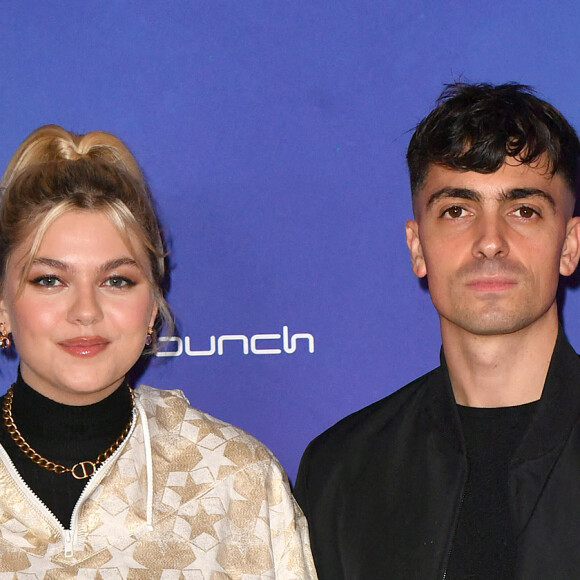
[[473, 470]]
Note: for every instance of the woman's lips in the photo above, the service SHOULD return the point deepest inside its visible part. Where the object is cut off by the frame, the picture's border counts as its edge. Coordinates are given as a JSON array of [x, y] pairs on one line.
[[84, 346]]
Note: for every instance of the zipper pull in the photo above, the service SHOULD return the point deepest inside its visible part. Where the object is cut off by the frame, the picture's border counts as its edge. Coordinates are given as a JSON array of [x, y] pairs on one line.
[[68, 544]]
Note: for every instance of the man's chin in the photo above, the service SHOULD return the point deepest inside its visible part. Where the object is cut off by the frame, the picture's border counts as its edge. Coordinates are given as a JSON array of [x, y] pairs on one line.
[[487, 325]]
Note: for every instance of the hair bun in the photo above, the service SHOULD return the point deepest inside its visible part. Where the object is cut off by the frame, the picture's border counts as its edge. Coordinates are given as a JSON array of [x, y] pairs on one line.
[[52, 143]]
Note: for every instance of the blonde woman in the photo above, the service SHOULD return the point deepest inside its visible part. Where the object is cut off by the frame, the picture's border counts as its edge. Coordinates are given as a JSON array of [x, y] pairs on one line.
[[96, 475]]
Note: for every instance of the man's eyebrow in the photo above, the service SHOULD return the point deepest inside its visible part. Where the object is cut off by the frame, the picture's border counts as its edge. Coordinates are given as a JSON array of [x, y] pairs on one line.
[[525, 192], [457, 192], [472, 195]]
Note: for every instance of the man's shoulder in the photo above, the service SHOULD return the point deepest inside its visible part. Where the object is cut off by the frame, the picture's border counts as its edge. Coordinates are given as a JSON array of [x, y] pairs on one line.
[[359, 428]]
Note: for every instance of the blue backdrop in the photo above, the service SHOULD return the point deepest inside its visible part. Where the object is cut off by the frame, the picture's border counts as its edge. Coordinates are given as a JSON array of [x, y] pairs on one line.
[[273, 134]]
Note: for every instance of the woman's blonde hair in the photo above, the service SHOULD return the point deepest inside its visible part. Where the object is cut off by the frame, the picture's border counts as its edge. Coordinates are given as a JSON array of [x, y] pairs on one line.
[[55, 171]]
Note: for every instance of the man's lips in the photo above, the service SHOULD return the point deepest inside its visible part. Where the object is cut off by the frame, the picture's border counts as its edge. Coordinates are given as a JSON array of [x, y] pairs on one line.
[[491, 284], [84, 346]]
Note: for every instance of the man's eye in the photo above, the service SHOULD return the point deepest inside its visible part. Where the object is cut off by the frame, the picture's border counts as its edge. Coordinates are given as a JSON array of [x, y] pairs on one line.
[[47, 281], [525, 212], [119, 282], [455, 211]]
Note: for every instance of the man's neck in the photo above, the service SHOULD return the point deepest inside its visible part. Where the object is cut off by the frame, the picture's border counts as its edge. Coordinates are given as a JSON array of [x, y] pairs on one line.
[[499, 370]]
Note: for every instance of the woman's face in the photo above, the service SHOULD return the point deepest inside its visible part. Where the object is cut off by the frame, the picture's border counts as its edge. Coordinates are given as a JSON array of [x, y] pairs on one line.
[[80, 320]]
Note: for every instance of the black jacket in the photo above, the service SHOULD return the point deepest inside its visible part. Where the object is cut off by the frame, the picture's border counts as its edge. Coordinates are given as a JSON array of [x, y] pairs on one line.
[[382, 488]]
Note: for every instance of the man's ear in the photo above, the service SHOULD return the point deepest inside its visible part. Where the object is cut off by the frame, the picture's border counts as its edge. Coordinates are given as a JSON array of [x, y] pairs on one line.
[[571, 248], [414, 245]]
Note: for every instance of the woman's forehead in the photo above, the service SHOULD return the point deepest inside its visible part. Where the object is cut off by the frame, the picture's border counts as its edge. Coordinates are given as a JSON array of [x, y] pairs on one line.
[[89, 235]]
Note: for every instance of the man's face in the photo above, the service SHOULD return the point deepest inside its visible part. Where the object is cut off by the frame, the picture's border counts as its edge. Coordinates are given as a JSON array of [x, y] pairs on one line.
[[493, 245]]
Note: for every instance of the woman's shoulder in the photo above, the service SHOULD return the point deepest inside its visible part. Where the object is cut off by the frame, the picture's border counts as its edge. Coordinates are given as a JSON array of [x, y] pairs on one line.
[[169, 412]]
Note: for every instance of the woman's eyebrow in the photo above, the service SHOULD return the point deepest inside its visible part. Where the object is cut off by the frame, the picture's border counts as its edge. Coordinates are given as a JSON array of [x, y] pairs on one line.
[[117, 263], [51, 263], [66, 267]]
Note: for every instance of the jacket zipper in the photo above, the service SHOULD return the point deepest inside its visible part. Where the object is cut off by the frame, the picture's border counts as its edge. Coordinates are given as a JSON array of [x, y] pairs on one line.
[[68, 543], [456, 523], [27, 491], [67, 535]]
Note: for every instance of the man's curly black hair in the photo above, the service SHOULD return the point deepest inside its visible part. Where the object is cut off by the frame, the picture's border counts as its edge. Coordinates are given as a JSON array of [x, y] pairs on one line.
[[474, 127]]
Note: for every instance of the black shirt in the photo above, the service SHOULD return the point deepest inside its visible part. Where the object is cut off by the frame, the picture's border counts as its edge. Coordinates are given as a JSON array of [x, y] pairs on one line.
[[63, 434], [484, 544]]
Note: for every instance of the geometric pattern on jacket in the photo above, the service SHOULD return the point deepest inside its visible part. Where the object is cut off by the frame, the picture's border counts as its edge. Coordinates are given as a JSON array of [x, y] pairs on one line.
[[186, 496]]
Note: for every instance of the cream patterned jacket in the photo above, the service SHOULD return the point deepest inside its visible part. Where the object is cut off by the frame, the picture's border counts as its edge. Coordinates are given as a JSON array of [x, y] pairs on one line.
[[185, 497]]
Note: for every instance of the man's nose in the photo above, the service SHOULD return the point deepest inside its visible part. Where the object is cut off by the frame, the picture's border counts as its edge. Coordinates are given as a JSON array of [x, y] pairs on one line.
[[490, 241]]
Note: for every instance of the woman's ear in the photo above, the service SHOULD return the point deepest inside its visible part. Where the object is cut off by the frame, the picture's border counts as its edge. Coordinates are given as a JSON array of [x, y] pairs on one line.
[[5, 316], [154, 314]]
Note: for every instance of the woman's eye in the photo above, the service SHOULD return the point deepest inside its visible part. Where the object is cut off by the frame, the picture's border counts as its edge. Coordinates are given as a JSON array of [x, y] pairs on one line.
[[119, 282], [47, 281], [455, 211]]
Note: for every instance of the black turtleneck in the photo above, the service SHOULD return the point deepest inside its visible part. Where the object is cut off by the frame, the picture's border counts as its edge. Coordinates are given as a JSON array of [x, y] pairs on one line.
[[63, 434]]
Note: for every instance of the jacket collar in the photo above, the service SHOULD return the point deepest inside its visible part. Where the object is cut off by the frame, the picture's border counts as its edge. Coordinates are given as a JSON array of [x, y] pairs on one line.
[[442, 408], [557, 412], [559, 405]]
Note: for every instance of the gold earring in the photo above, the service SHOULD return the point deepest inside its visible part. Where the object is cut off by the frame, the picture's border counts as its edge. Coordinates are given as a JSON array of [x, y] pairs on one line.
[[149, 337], [5, 341]]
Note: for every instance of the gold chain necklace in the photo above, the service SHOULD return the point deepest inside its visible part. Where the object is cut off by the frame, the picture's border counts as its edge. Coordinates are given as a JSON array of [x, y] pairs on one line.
[[80, 470]]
